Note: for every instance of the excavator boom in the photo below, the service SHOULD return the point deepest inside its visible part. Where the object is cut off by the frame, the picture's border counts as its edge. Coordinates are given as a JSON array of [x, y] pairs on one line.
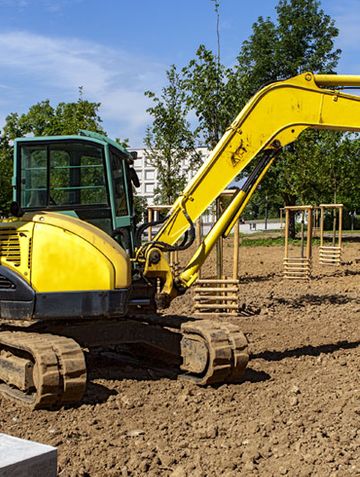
[[273, 118]]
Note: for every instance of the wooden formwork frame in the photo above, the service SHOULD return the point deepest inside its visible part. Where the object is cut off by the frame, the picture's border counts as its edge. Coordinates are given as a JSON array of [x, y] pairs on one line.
[[331, 254], [219, 295], [299, 268], [281, 210]]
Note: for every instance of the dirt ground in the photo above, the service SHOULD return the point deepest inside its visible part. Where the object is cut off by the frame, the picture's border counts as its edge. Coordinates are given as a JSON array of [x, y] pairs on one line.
[[296, 413]]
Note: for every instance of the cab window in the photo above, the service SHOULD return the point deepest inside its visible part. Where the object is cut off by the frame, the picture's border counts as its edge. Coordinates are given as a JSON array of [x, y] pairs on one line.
[[62, 174], [117, 167]]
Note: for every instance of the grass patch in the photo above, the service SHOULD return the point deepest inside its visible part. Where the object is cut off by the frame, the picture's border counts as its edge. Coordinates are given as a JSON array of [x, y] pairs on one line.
[[272, 241], [271, 238], [262, 241]]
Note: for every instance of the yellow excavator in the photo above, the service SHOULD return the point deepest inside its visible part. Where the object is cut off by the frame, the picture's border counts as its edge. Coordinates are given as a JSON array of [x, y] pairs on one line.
[[74, 273]]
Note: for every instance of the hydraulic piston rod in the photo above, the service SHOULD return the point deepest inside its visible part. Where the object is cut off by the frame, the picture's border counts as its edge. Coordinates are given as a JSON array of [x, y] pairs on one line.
[[337, 80]]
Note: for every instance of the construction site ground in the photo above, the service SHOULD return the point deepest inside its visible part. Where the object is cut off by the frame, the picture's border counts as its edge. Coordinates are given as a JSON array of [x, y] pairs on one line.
[[296, 412]]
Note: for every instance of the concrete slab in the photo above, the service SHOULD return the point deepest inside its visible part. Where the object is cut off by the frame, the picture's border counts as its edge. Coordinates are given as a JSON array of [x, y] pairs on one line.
[[22, 458]]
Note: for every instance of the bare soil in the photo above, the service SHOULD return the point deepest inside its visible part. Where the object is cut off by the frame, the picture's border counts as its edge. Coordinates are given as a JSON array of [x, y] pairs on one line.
[[296, 413]]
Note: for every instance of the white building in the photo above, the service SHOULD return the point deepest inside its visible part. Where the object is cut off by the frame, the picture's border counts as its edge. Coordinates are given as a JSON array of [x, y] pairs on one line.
[[148, 174], [148, 183]]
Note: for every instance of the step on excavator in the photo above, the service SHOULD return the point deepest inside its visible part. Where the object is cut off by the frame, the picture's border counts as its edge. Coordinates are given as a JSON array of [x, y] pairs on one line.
[[74, 273]]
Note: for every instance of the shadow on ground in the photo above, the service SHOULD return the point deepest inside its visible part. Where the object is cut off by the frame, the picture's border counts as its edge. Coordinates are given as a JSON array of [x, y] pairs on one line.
[[305, 351]]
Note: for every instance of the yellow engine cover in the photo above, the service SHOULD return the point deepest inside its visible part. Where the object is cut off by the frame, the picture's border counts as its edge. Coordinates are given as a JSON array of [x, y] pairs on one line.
[[57, 253]]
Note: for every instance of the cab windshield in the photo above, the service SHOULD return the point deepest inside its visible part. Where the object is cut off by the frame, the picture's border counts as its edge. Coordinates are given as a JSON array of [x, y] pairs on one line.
[[62, 174]]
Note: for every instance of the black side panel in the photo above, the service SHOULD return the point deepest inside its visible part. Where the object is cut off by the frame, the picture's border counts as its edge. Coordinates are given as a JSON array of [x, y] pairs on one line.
[[107, 304], [16, 296], [13, 286]]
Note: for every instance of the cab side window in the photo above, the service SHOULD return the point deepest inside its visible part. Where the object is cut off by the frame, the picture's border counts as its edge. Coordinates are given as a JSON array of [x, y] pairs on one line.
[[34, 176], [117, 166]]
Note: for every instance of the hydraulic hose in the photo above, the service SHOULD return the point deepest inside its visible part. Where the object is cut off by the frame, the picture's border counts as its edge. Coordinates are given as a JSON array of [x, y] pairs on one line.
[[187, 241]]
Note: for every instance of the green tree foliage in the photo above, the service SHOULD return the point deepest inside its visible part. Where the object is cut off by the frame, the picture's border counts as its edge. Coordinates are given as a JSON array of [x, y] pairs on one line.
[[336, 169], [301, 39], [5, 177], [256, 64], [43, 119], [321, 166], [169, 141], [206, 84], [212, 90], [140, 207], [205, 81]]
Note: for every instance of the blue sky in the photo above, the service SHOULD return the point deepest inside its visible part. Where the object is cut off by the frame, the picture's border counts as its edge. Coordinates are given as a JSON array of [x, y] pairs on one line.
[[117, 49]]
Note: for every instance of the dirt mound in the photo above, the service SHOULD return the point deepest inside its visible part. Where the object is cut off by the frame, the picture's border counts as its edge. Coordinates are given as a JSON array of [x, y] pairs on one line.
[[296, 413]]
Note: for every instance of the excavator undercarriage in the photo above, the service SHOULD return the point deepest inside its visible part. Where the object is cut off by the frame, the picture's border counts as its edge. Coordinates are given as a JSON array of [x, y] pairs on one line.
[[44, 366]]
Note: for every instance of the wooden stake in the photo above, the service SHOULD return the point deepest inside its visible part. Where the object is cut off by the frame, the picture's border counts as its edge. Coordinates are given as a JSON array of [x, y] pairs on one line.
[[334, 228], [316, 222], [150, 219], [340, 225], [321, 226], [198, 236], [309, 235], [302, 232], [287, 212], [219, 244], [236, 250]]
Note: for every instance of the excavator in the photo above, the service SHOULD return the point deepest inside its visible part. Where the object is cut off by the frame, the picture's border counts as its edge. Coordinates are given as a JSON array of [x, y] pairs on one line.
[[74, 273]]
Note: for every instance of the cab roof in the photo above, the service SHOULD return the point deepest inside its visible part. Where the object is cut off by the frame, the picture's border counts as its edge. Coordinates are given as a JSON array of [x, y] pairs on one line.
[[84, 135]]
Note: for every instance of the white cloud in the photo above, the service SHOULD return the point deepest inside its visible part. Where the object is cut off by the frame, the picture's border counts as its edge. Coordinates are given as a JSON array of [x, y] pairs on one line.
[[58, 66]]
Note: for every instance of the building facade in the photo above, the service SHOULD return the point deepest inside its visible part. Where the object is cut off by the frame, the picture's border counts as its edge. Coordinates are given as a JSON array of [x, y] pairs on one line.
[[148, 182], [148, 175]]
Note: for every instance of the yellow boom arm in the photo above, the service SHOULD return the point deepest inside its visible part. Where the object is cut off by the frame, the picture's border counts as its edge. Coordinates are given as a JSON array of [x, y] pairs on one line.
[[273, 118]]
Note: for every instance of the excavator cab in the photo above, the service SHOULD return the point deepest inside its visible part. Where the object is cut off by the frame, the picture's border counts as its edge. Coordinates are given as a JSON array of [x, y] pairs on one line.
[[88, 176]]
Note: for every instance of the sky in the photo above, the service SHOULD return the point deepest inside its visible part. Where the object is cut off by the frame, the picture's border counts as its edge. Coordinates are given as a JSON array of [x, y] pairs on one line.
[[118, 49]]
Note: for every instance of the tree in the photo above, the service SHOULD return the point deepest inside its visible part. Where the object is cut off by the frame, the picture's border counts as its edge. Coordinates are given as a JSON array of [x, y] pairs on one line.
[[169, 142], [43, 119], [301, 39], [256, 64], [140, 207], [205, 81], [210, 88], [340, 172], [5, 177]]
